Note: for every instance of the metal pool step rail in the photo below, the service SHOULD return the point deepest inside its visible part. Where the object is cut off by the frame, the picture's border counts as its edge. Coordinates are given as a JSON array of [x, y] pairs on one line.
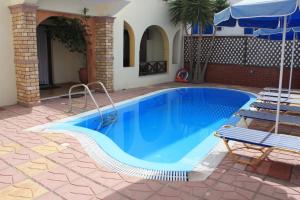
[[107, 119], [111, 117]]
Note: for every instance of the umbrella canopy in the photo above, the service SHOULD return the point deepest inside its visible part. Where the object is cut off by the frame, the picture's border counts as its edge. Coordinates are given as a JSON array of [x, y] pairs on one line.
[[260, 14], [263, 14], [276, 34]]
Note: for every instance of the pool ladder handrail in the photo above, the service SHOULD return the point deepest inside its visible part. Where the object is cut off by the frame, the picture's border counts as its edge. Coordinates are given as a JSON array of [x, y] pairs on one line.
[[111, 118], [105, 91], [86, 90]]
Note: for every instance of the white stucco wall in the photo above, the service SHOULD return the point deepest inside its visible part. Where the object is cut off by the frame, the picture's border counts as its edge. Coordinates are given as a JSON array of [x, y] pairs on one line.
[[231, 31], [140, 14], [176, 48], [8, 94], [65, 64]]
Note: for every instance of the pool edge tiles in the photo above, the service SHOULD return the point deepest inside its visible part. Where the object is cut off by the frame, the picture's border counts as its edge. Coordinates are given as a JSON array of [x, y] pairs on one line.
[[203, 164]]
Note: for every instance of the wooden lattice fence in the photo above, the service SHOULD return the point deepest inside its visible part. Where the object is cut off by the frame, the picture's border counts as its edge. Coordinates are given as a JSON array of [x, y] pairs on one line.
[[247, 51]]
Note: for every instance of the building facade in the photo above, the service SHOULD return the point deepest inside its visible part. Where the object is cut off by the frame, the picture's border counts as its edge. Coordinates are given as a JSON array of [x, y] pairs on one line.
[[131, 44]]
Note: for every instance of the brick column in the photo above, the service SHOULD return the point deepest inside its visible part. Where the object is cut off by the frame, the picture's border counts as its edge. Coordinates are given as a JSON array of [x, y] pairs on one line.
[[104, 51], [25, 53]]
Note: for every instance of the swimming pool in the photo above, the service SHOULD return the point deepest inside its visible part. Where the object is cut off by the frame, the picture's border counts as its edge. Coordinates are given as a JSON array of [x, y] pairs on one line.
[[166, 130]]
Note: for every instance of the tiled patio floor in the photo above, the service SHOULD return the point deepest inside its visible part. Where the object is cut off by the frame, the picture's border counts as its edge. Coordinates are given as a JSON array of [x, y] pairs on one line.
[[36, 166]]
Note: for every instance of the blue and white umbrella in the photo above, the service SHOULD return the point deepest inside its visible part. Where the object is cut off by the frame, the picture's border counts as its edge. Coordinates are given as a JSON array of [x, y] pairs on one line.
[[260, 14], [276, 34], [263, 14]]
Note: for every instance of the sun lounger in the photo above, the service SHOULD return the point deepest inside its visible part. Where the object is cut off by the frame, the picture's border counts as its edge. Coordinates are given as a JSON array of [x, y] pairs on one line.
[[283, 95], [282, 100], [272, 106], [266, 140], [283, 119], [270, 89]]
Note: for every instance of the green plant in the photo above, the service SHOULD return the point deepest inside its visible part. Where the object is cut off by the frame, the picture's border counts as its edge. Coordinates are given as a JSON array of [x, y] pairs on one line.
[[220, 5], [176, 11], [192, 12], [196, 12], [72, 32]]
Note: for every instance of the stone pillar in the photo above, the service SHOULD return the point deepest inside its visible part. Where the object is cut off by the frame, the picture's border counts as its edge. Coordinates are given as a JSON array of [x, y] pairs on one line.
[[104, 51], [25, 53]]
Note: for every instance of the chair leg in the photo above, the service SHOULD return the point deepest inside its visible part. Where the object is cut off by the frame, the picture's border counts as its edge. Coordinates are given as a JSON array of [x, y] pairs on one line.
[[252, 163], [252, 147], [272, 128], [259, 159], [245, 122]]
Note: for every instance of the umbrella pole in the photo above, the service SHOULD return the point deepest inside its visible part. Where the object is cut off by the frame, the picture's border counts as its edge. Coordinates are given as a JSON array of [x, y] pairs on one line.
[[281, 73], [292, 64]]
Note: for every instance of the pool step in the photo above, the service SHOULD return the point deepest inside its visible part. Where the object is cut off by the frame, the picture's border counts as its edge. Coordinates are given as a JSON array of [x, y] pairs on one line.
[[108, 120]]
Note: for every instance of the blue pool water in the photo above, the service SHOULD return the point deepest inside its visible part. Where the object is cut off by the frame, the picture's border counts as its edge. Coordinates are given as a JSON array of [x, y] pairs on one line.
[[170, 129]]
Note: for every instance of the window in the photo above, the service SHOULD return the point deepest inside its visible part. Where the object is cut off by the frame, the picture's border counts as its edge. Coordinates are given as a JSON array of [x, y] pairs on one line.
[[154, 51]]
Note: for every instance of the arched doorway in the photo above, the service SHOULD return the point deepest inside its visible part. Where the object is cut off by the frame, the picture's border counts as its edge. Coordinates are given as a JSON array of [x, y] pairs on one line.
[[128, 46], [61, 50], [154, 51]]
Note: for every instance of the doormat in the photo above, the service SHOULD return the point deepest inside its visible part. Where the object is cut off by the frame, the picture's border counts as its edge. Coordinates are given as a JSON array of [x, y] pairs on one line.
[[48, 87], [73, 96]]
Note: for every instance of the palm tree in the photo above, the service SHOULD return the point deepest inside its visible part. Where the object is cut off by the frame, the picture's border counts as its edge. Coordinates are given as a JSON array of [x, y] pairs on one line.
[[201, 13], [176, 12], [219, 5], [188, 12], [177, 17]]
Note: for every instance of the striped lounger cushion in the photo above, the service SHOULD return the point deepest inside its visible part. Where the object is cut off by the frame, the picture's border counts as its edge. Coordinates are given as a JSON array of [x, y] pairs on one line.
[[272, 106], [261, 138], [287, 119]]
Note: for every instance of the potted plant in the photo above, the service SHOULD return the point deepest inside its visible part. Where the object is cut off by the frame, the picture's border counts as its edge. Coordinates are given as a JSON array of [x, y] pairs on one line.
[[74, 34]]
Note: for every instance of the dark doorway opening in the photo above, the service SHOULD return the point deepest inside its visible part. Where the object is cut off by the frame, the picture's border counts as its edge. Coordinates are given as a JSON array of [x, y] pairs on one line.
[[44, 47], [60, 55], [126, 50]]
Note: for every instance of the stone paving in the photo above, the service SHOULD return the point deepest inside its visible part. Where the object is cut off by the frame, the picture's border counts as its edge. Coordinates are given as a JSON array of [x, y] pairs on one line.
[[42, 167]]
